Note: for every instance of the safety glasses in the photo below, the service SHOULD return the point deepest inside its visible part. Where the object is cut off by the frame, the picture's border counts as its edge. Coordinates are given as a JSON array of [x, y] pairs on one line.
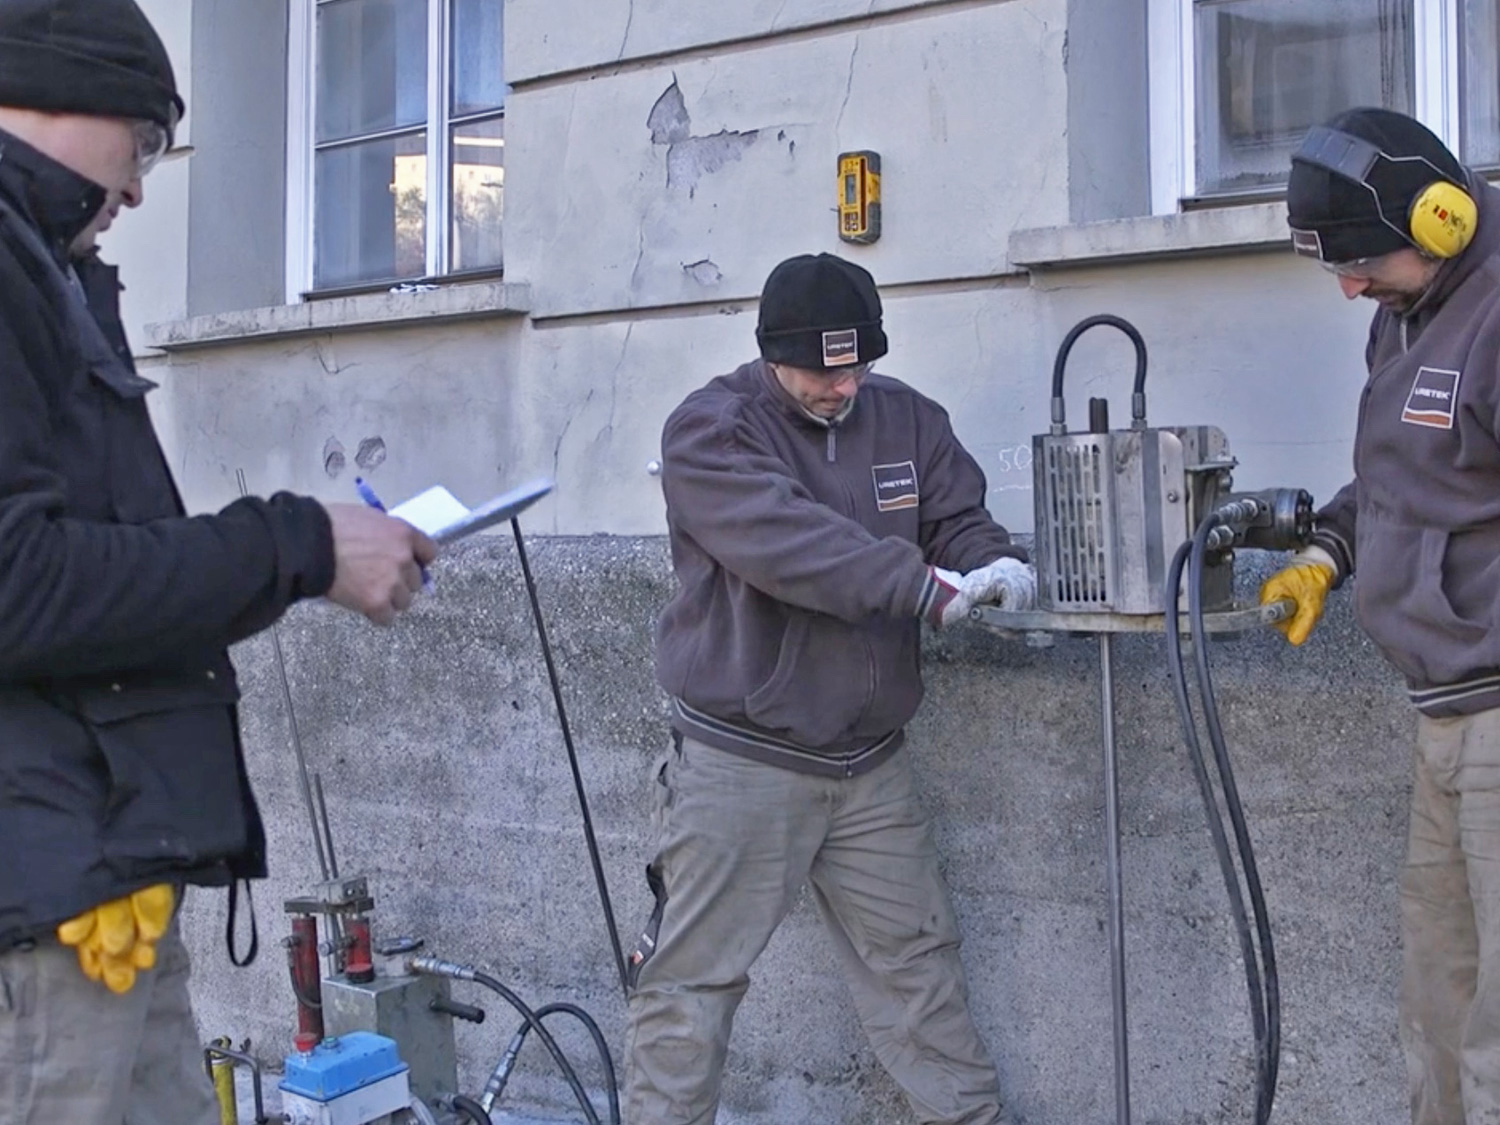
[[1362, 269], [152, 140], [836, 376]]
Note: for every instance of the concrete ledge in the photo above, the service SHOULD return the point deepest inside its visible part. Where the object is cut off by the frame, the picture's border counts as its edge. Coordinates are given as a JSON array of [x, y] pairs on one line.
[[1259, 226], [368, 310]]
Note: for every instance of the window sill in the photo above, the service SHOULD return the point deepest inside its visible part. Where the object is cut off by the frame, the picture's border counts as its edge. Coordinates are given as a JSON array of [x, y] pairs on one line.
[[1257, 226], [472, 301]]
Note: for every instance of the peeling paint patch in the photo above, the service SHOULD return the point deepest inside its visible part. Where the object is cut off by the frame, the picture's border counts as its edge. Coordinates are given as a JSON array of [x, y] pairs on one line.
[[668, 119], [690, 158], [371, 454], [333, 457], [704, 272]]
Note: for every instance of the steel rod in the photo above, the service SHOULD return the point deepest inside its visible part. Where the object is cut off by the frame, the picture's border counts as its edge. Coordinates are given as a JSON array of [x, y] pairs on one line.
[[333, 861], [1116, 883], [291, 718]]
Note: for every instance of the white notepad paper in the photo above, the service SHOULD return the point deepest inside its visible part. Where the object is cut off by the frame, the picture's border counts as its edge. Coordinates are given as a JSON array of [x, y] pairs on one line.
[[444, 518]]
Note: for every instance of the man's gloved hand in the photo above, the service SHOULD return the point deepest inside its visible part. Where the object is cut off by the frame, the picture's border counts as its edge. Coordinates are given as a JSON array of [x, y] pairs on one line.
[[117, 938], [1307, 582], [1007, 583], [953, 602]]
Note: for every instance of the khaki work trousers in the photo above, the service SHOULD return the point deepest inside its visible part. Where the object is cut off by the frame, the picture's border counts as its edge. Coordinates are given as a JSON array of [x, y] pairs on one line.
[[1450, 924], [738, 840], [74, 1053]]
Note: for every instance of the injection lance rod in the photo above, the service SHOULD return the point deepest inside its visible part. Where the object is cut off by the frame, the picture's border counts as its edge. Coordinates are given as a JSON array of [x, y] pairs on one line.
[[318, 829], [1116, 890]]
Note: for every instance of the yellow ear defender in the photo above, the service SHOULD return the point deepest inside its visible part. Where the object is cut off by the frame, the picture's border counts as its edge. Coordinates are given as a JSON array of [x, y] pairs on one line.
[[1442, 219]]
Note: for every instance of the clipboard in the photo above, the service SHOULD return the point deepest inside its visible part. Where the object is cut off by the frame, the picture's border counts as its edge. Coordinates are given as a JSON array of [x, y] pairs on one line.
[[445, 519]]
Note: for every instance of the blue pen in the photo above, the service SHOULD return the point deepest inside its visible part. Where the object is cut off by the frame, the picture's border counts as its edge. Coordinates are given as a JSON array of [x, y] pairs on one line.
[[367, 494]]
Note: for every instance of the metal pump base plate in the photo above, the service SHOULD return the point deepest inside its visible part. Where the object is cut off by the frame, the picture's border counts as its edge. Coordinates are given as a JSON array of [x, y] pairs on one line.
[[1235, 620]]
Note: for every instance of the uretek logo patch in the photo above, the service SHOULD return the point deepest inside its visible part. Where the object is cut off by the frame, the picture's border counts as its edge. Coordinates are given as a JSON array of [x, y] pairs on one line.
[[896, 486], [1308, 243], [840, 347], [1433, 398]]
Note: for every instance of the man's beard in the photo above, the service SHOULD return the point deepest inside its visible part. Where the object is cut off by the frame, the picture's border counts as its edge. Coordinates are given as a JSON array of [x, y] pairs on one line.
[[1396, 300]]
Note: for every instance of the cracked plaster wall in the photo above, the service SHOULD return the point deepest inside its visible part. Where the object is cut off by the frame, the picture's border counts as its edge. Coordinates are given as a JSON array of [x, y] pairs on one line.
[[481, 405], [732, 159], [599, 34]]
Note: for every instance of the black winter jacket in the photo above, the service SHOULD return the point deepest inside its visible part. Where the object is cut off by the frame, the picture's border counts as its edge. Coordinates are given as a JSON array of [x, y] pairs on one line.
[[120, 761]]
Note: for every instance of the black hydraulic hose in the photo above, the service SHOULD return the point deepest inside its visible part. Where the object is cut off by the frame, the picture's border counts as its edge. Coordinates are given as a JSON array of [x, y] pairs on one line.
[[599, 1044], [583, 801], [501, 1074], [541, 1033], [1178, 669], [1138, 389], [471, 1109], [1269, 1063]]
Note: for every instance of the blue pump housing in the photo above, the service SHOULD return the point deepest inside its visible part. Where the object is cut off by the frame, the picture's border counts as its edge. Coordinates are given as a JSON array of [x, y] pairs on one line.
[[338, 1066]]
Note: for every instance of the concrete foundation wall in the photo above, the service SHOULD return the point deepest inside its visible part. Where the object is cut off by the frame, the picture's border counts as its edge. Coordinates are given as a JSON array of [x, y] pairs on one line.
[[448, 785]]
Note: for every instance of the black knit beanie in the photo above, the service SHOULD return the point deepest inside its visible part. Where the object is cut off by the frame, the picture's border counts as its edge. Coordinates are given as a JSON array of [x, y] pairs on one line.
[[1338, 219], [97, 57], [819, 311]]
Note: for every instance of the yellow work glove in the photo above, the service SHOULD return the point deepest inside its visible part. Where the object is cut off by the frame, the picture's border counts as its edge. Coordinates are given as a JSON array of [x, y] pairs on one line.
[[117, 938], [1307, 583]]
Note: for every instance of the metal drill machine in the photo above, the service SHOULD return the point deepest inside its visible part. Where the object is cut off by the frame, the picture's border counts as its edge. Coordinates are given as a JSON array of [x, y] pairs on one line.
[[1127, 522]]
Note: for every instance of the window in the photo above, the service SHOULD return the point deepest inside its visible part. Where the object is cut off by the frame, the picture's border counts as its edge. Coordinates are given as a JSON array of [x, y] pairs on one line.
[[1236, 83], [396, 141]]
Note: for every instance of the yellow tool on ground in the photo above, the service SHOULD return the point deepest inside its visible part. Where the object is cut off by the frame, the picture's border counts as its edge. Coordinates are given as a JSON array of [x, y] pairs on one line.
[[222, 1068]]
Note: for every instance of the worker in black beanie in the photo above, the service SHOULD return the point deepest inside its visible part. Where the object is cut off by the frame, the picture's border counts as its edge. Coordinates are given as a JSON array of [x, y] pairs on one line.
[[805, 295], [1385, 207], [818, 512], [122, 779]]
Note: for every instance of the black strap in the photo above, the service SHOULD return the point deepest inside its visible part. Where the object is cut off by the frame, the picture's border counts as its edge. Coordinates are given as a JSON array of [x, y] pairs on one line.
[[234, 896]]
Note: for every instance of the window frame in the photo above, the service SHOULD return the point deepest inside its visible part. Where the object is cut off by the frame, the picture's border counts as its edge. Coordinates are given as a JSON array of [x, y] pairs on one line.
[[1173, 100], [302, 149]]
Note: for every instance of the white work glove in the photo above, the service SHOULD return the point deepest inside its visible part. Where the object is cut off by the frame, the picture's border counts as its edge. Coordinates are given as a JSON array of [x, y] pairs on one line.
[[952, 602], [1007, 583]]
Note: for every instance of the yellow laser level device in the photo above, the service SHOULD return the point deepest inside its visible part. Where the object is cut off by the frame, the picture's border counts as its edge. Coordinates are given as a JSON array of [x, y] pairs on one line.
[[859, 196]]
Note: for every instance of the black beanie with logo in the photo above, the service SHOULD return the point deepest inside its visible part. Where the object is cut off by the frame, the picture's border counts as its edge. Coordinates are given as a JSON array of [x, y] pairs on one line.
[[1339, 219], [820, 311], [96, 57]]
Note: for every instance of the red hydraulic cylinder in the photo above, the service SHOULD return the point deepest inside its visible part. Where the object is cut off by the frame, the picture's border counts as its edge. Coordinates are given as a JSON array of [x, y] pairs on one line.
[[360, 966], [307, 982]]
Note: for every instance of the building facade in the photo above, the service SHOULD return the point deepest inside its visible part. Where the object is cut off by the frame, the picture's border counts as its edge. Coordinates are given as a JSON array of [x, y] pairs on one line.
[[479, 241]]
